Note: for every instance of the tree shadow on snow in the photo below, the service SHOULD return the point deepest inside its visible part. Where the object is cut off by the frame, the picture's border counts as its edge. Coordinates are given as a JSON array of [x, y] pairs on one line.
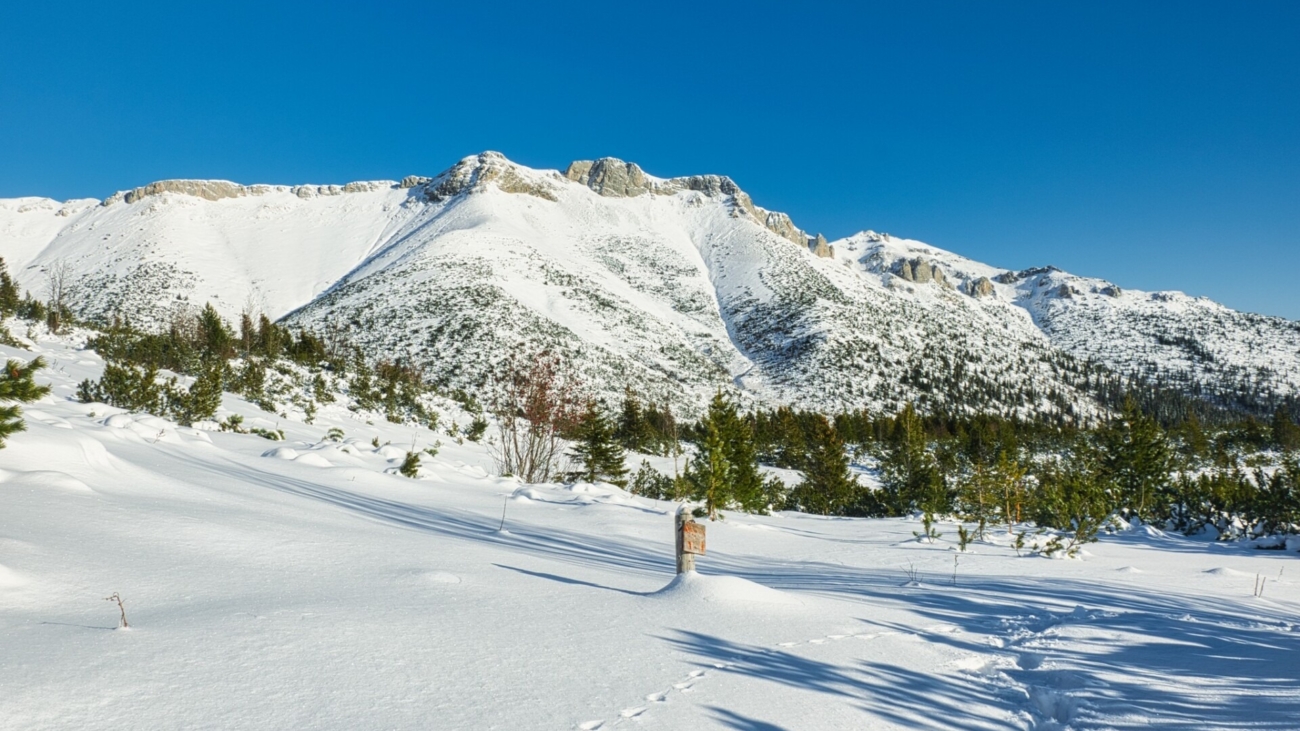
[[1215, 661], [570, 581], [731, 719], [911, 699]]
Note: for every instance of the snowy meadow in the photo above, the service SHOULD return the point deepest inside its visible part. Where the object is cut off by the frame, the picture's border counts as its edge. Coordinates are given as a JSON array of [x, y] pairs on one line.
[[304, 583]]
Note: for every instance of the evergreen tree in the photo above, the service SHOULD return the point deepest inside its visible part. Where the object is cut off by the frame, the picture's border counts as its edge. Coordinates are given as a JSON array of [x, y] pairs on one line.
[[910, 474], [633, 430], [9, 296], [362, 386], [410, 465], [596, 448], [827, 488], [978, 492], [215, 339], [708, 471], [17, 387], [1136, 458], [202, 399], [1286, 435], [727, 445], [134, 388]]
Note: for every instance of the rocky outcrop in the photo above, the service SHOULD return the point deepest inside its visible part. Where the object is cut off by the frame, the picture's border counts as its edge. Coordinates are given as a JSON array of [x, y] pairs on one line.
[[614, 178], [920, 271], [413, 181], [215, 190], [821, 248], [473, 174], [1111, 290], [982, 287]]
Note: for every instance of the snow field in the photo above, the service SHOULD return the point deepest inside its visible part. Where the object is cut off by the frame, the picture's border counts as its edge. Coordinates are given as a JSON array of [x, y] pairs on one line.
[[298, 584]]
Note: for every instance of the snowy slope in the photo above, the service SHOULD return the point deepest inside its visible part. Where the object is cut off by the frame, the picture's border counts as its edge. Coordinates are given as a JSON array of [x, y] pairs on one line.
[[297, 585], [675, 287]]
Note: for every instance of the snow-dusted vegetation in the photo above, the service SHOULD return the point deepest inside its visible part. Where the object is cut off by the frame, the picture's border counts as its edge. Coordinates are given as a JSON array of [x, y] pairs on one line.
[[674, 287]]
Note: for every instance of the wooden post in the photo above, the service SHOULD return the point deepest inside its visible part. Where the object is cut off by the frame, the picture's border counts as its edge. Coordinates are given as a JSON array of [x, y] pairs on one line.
[[685, 561], [690, 540]]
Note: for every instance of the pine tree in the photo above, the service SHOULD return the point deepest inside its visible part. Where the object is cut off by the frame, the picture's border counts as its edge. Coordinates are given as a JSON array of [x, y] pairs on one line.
[[708, 472], [596, 448], [1136, 457], [728, 445], [16, 385], [202, 399], [828, 488], [134, 388], [978, 493], [215, 338], [1286, 435], [9, 296], [910, 474], [410, 465], [633, 431]]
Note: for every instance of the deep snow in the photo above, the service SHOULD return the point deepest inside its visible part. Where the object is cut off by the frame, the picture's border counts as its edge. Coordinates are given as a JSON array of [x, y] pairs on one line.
[[297, 585]]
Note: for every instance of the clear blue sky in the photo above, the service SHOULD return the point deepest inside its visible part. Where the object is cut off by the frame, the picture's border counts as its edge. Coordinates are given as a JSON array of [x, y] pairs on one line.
[[1156, 144]]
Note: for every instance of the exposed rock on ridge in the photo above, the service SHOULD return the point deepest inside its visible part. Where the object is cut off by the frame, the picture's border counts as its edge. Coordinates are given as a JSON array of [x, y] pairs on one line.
[[920, 271], [472, 175], [981, 287], [614, 178], [821, 248], [215, 190]]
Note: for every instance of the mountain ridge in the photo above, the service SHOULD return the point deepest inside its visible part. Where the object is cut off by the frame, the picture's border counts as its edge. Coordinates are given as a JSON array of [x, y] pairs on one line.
[[674, 286]]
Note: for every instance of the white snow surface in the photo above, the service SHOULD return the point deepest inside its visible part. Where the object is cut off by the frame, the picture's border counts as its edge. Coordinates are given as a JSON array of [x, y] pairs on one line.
[[676, 292], [300, 584]]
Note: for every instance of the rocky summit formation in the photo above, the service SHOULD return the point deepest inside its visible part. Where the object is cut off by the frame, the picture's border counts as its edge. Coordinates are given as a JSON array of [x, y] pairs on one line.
[[980, 287], [920, 271], [821, 248], [674, 287], [615, 178]]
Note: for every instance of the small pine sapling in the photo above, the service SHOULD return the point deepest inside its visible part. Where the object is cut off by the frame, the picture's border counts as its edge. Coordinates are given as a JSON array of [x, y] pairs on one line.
[[335, 434], [476, 428], [411, 465], [964, 538], [928, 533]]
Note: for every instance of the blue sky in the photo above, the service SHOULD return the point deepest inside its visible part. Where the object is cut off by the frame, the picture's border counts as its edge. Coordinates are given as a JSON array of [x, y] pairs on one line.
[[1155, 144]]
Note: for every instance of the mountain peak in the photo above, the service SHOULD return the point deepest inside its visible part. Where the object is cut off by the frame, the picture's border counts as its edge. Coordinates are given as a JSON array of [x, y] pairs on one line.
[[472, 175]]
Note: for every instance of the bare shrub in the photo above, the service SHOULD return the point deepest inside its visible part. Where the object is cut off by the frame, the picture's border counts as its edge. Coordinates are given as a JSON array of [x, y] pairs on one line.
[[535, 403], [121, 607]]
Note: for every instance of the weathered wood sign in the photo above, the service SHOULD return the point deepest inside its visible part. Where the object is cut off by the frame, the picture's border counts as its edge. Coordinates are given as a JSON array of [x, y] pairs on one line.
[[690, 540], [693, 538]]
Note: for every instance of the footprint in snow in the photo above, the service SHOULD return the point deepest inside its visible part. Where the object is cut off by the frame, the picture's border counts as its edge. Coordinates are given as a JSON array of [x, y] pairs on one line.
[[657, 697], [591, 725], [632, 712]]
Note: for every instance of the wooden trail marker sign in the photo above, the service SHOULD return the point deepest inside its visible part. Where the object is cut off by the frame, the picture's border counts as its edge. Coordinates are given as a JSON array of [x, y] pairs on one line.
[[693, 538], [690, 541]]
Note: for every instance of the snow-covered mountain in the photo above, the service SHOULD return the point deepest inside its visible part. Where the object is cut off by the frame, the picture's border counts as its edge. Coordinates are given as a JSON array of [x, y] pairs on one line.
[[674, 287]]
